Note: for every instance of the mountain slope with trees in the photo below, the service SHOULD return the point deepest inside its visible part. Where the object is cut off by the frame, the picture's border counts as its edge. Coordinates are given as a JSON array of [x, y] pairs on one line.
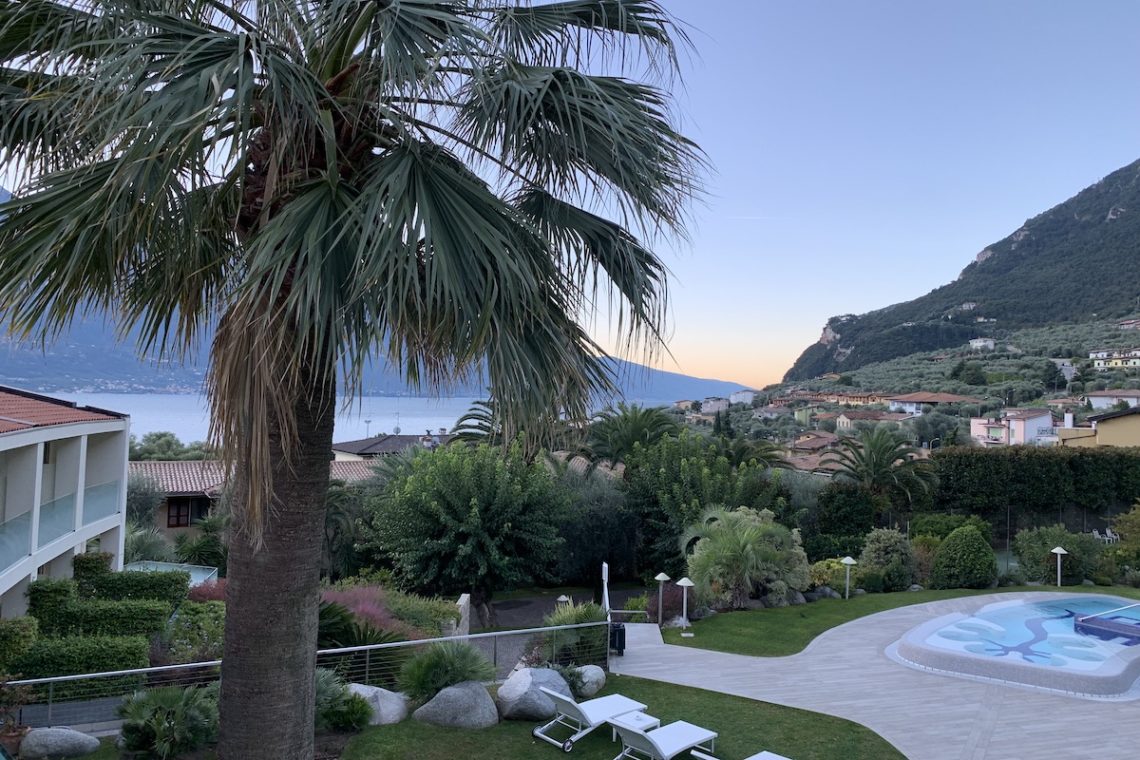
[[1074, 263]]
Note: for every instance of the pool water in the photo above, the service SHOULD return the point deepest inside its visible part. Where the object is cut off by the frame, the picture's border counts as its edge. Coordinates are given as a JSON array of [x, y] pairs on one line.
[[1073, 633]]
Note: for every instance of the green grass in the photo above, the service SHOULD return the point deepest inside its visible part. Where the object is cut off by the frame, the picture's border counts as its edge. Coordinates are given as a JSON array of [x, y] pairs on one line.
[[787, 630], [745, 727]]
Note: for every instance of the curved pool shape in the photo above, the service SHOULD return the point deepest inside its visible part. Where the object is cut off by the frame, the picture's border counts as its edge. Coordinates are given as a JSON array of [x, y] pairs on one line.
[[1083, 645]]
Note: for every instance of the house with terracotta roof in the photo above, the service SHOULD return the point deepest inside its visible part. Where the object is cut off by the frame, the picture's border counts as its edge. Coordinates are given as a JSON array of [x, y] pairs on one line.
[[912, 403], [846, 420], [1024, 427], [1109, 399], [191, 489], [63, 471], [814, 441], [387, 444]]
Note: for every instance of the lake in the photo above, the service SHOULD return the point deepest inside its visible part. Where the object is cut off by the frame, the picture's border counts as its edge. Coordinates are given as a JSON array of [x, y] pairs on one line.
[[186, 415]]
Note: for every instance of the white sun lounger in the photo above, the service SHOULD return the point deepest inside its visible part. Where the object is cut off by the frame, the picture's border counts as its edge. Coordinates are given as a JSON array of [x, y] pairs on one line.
[[582, 717], [758, 756], [664, 743]]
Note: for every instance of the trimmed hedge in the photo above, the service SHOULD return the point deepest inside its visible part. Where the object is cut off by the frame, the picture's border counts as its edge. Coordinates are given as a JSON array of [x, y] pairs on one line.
[[428, 615], [1034, 550], [70, 655], [127, 617], [964, 560], [85, 568], [16, 637], [167, 586], [47, 597]]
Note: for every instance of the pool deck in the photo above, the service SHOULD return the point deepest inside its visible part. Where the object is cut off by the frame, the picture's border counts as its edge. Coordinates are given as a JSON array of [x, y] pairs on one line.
[[844, 672]]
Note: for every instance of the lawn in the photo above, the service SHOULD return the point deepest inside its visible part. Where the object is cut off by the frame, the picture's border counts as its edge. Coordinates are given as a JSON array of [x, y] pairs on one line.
[[745, 727], [787, 630]]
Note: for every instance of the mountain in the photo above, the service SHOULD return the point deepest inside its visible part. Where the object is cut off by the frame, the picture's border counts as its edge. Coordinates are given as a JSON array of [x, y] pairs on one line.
[[90, 358], [1077, 262]]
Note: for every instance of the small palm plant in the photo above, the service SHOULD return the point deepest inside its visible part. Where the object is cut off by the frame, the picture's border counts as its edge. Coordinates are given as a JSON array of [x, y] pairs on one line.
[[442, 665], [167, 722]]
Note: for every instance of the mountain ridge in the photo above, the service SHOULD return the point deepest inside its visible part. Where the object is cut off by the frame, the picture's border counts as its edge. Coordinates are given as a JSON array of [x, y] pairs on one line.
[[1072, 263]]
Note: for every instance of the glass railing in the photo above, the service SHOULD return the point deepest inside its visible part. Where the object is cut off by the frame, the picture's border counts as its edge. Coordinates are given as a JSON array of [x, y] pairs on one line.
[[57, 519], [100, 501], [15, 540]]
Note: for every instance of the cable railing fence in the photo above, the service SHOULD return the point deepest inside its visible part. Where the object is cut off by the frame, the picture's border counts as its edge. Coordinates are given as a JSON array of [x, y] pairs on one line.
[[93, 698]]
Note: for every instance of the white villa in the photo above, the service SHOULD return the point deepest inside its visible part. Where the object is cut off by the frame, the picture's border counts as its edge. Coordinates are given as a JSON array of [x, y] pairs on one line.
[[62, 484], [714, 404], [742, 397], [1109, 399]]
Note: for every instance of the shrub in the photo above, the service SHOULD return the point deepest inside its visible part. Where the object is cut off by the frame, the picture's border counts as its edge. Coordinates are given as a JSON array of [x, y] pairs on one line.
[[47, 597], [368, 605], [196, 632], [574, 614], [581, 646], [208, 591], [671, 603], [71, 655], [87, 567], [885, 548], [638, 605], [942, 525], [828, 572], [169, 721], [964, 560], [128, 617], [442, 665], [1014, 577], [168, 586], [1132, 578], [429, 615], [924, 548], [338, 708], [16, 637], [870, 580], [1033, 549]]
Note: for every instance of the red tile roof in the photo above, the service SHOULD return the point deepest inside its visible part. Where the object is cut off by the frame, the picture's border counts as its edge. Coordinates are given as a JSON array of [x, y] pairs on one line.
[[21, 410], [934, 398], [206, 477]]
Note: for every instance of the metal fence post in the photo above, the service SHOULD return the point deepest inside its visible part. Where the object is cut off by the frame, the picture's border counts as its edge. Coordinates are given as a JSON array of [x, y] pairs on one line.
[[51, 697], [495, 652], [368, 666]]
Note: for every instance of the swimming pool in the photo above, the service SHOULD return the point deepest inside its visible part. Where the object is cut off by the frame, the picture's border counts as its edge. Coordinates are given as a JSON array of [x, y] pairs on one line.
[[1083, 645]]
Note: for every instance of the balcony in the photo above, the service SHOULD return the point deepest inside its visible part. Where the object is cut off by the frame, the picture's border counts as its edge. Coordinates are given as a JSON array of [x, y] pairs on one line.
[[57, 519], [100, 501], [15, 540]]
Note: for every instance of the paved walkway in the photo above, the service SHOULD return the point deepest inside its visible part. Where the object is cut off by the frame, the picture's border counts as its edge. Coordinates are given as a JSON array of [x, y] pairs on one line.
[[844, 672]]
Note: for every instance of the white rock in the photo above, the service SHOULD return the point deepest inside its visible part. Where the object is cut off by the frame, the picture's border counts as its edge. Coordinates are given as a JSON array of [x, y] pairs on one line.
[[387, 706], [56, 744], [593, 679], [521, 698], [464, 705]]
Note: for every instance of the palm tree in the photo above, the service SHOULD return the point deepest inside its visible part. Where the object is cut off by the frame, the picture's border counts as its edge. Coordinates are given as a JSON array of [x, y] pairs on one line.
[[614, 432], [884, 464], [739, 451], [322, 181]]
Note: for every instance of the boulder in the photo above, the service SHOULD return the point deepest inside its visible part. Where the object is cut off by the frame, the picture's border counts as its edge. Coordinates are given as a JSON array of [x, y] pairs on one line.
[[56, 744], [1087, 582], [915, 587], [812, 596], [593, 679], [796, 597], [859, 592], [827, 592], [520, 697], [387, 706], [464, 705]]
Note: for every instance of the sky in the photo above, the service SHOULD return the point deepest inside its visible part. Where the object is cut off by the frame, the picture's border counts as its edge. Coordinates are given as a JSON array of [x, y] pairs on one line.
[[864, 152]]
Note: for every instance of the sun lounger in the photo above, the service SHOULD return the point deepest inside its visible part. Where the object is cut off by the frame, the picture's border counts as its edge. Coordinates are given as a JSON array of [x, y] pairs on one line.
[[758, 756], [663, 743], [582, 717]]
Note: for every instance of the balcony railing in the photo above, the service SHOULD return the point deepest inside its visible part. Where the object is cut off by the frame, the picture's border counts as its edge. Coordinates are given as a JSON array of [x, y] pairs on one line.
[[15, 540], [100, 501], [57, 519]]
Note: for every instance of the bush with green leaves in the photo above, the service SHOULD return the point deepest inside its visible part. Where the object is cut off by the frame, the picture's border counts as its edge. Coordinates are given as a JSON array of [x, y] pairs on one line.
[[1033, 549], [889, 552], [145, 495], [46, 599], [869, 579], [596, 528], [964, 560], [195, 632], [442, 665], [462, 519], [71, 655], [924, 548], [86, 567], [126, 617], [16, 637], [828, 572], [170, 586], [580, 646], [169, 721], [942, 525], [428, 614], [835, 527], [337, 708]]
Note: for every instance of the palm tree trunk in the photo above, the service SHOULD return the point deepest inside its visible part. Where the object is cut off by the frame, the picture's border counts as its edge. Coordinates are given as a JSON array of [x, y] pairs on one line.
[[272, 595]]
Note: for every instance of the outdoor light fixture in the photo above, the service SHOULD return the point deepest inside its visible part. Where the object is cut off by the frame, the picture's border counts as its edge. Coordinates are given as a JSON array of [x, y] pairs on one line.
[[1059, 552], [685, 585], [848, 562], [563, 599], [661, 578]]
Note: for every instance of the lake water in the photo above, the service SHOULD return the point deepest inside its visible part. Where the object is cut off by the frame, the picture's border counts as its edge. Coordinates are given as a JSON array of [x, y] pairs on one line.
[[186, 415]]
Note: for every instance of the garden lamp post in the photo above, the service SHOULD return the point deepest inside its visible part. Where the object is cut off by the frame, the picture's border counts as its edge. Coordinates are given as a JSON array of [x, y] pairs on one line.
[[847, 562], [685, 585], [1059, 552], [562, 600], [661, 578]]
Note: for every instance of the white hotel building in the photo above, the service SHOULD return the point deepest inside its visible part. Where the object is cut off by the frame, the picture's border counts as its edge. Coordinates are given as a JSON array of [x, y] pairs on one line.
[[62, 484]]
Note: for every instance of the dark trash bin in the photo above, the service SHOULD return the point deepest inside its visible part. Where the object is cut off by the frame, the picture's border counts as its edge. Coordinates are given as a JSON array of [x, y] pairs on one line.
[[617, 637]]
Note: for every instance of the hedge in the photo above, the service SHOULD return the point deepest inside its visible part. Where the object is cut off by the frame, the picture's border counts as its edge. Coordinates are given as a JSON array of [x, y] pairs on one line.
[[428, 615], [168, 586], [1034, 550], [16, 637], [70, 655], [124, 617], [85, 568], [47, 597]]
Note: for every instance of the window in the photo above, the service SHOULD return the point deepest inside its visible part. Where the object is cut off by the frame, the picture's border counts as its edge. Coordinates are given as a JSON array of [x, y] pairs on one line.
[[178, 513]]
